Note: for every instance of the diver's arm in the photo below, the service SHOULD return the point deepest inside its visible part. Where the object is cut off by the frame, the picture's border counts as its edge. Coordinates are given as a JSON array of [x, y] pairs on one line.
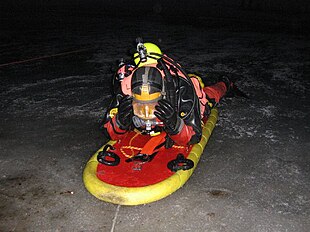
[[185, 136], [111, 129], [184, 126], [191, 131]]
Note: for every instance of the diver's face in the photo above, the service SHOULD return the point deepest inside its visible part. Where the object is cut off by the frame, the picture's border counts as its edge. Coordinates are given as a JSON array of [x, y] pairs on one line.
[[144, 109]]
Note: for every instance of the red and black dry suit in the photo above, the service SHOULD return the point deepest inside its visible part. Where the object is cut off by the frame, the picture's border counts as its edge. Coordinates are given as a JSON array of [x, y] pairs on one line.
[[192, 102]]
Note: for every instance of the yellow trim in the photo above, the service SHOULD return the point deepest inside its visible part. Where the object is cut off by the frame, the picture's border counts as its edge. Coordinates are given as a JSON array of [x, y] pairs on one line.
[[147, 194], [182, 114], [154, 133], [113, 112], [202, 85]]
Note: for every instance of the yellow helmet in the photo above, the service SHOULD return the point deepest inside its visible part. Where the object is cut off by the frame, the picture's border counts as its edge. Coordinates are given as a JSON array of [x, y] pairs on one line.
[[153, 53]]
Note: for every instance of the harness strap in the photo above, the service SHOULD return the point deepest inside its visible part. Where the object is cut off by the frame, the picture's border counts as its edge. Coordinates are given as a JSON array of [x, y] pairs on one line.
[[153, 143]]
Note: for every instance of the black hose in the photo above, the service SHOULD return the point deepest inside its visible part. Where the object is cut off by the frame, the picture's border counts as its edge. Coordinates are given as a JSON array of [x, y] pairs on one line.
[[170, 84]]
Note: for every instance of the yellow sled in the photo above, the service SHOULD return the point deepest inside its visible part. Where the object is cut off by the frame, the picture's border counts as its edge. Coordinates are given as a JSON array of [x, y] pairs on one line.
[[146, 194]]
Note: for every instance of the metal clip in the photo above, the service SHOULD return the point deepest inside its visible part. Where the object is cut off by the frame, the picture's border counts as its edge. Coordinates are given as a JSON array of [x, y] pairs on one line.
[[141, 49], [139, 160], [137, 166]]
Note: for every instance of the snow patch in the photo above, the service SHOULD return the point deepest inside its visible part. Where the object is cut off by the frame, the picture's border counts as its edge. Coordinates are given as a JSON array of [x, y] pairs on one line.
[[267, 111]]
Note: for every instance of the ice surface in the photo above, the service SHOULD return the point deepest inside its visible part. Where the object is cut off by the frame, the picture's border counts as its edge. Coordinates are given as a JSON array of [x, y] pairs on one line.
[[253, 175]]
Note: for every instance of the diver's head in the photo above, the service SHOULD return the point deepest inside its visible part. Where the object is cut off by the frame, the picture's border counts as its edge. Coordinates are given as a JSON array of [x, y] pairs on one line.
[[147, 53], [146, 86]]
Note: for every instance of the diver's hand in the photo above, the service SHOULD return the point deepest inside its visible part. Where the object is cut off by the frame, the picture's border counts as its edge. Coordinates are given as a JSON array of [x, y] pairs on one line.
[[125, 113], [166, 113]]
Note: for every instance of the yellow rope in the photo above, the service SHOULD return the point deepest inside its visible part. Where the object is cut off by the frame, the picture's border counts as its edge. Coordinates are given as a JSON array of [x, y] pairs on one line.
[[131, 148], [178, 147]]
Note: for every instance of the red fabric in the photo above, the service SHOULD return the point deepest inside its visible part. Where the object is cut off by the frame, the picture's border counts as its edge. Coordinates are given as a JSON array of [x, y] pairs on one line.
[[151, 172], [115, 133], [153, 142], [184, 136], [216, 91]]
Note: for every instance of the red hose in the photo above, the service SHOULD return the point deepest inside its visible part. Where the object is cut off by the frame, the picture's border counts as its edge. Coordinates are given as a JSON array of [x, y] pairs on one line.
[[43, 57]]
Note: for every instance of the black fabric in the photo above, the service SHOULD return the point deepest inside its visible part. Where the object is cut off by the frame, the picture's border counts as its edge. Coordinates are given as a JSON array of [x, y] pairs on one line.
[[166, 113], [125, 113], [188, 104]]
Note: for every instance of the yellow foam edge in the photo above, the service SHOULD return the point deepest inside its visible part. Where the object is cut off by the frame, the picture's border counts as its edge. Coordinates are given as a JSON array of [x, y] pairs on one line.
[[143, 195]]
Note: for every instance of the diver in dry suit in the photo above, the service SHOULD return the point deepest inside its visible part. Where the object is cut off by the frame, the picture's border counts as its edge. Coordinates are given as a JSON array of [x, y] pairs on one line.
[[156, 96]]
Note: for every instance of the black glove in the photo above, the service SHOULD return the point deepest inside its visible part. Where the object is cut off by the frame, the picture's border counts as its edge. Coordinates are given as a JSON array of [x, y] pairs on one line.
[[232, 89], [125, 113], [166, 113], [228, 83]]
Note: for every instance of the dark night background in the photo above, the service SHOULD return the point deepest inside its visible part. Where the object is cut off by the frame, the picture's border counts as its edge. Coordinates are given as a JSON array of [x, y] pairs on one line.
[[56, 63], [282, 15]]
